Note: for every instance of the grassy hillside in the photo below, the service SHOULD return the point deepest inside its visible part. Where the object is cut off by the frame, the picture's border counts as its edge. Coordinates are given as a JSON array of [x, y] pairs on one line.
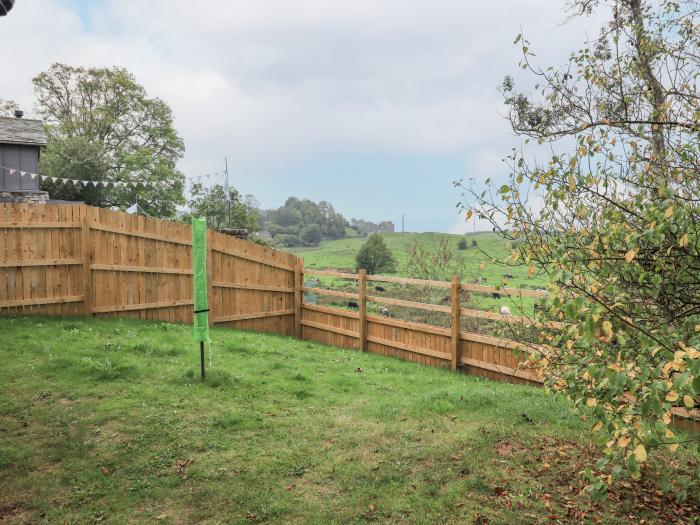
[[340, 254], [106, 421]]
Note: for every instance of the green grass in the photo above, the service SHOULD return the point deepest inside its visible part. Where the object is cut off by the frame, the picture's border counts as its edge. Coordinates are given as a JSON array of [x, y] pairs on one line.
[[340, 254], [107, 421]]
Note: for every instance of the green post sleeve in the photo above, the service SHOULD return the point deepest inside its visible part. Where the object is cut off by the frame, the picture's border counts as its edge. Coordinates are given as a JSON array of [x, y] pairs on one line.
[[199, 270]]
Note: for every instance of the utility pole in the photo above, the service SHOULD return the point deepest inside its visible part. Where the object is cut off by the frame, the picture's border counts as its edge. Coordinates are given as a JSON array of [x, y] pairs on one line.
[[402, 224]]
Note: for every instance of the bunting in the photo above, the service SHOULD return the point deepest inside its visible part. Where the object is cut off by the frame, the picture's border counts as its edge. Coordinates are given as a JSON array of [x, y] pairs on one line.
[[77, 182]]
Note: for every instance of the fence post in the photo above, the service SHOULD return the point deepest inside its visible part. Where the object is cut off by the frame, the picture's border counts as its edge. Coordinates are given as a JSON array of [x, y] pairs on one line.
[[454, 324], [363, 309], [298, 296], [86, 243]]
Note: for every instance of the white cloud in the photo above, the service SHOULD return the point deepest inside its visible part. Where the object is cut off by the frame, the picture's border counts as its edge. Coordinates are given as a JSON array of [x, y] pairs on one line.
[[272, 82]]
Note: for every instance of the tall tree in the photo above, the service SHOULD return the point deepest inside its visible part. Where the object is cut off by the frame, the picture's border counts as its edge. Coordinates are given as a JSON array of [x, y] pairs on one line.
[[617, 229], [104, 119], [212, 204]]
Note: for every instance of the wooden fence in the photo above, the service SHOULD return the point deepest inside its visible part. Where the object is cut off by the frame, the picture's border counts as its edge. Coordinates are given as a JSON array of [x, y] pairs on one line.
[[78, 260]]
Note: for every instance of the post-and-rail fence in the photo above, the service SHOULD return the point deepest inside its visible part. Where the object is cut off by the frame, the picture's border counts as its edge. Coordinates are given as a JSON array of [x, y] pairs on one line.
[[78, 260]]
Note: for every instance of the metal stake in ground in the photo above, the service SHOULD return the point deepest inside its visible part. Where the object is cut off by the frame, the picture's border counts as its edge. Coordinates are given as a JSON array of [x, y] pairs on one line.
[[199, 273]]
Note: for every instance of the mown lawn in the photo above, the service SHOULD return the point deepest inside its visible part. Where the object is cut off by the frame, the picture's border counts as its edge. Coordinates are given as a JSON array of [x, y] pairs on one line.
[[106, 421]]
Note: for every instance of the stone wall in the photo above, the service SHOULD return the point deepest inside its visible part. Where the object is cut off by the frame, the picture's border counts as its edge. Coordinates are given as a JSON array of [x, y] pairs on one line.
[[33, 197]]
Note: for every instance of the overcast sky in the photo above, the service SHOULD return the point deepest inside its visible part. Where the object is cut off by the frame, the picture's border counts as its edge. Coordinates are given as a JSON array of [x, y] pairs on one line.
[[374, 105]]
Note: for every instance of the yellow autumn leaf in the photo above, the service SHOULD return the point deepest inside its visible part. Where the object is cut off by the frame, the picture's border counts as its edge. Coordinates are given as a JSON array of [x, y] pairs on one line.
[[597, 426], [469, 214], [591, 402], [683, 242], [623, 441], [672, 447], [688, 401], [640, 453], [668, 212], [572, 183], [607, 329], [630, 255], [672, 396], [482, 265]]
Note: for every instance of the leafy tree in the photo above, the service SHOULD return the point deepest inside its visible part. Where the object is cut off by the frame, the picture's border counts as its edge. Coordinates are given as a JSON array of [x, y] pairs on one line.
[[7, 108], [311, 235], [212, 204], [462, 244], [104, 112], [375, 256], [434, 262], [618, 227]]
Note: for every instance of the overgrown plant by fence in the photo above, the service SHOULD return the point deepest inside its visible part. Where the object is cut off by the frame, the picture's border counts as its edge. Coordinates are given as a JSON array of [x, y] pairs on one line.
[[80, 260]]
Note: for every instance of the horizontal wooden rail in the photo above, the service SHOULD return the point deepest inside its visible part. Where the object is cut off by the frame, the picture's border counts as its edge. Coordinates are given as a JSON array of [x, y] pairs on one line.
[[505, 370], [334, 293], [408, 348], [140, 306], [510, 319], [27, 225], [139, 269], [405, 280], [408, 325], [409, 304], [142, 235], [253, 286], [503, 292], [331, 311], [43, 262], [252, 258], [256, 315], [329, 273], [43, 300], [327, 328]]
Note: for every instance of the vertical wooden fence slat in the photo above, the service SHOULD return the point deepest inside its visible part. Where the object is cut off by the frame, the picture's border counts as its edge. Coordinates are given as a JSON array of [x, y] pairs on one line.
[[454, 323], [87, 272], [298, 296], [363, 309]]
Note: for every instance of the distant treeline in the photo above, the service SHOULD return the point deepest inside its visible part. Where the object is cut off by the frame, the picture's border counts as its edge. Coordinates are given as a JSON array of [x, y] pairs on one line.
[[302, 222]]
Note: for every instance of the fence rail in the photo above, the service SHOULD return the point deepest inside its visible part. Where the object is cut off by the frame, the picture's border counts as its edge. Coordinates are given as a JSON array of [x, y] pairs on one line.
[[78, 260]]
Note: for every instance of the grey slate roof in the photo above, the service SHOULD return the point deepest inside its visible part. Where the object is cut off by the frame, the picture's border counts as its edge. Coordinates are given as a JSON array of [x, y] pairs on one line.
[[22, 131]]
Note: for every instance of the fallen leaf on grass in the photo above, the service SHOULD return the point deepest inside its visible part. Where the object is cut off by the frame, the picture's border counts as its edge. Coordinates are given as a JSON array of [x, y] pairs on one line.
[[181, 466]]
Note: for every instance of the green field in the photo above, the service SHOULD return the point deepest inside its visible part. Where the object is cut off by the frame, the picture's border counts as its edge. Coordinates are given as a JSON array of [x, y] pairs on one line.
[[106, 421], [491, 251], [340, 254]]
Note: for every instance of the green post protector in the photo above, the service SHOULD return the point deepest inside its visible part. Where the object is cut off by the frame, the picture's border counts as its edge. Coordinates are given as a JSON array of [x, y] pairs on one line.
[[199, 270]]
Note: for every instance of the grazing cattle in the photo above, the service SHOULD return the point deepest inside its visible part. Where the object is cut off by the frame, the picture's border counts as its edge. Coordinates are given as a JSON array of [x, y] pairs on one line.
[[380, 288], [505, 310], [496, 295], [508, 276], [384, 312], [353, 304]]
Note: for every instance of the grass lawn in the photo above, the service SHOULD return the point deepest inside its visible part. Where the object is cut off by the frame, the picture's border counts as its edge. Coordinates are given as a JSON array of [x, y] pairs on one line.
[[106, 421]]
